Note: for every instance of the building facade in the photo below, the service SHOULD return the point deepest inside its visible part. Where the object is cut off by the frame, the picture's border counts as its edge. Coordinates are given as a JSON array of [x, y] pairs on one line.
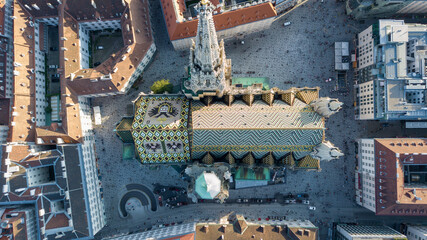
[[391, 176], [415, 232], [390, 79], [362, 9]]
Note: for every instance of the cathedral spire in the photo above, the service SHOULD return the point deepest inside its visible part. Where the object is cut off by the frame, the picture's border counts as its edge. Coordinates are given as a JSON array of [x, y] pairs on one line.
[[209, 73]]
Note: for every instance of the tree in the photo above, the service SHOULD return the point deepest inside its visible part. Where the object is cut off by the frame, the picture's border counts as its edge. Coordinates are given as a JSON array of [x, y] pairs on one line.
[[162, 86]]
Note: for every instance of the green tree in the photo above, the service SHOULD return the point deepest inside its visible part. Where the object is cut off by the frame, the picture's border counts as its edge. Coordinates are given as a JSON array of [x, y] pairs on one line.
[[162, 86]]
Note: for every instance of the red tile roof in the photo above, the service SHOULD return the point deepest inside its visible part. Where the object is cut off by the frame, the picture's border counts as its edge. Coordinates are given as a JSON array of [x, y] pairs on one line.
[[24, 82], [396, 198], [57, 221], [222, 21]]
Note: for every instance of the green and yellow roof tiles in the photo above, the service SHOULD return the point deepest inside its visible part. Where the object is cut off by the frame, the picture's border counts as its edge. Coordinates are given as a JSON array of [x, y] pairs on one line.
[[308, 162], [143, 109], [251, 148], [258, 116]]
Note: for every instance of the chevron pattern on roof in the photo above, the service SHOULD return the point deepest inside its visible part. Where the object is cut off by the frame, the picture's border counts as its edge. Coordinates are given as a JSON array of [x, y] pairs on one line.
[[258, 116]]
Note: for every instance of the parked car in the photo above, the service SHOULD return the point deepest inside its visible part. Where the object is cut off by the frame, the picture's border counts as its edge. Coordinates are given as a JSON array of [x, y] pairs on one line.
[[306, 202], [245, 200], [53, 66], [99, 47], [286, 24], [312, 208], [239, 200]]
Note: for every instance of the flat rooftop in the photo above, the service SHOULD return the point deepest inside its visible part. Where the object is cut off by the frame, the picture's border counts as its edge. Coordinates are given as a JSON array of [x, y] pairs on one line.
[[398, 98]]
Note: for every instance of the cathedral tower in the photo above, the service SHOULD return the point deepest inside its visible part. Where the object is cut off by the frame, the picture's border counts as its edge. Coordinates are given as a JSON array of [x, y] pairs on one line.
[[209, 70]]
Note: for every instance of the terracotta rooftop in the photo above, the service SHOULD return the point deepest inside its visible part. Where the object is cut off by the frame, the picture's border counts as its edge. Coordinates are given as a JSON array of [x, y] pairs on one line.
[[23, 114], [2, 12], [57, 221], [393, 195], [40, 8], [242, 230], [119, 67], [15, 227], [227, 19]]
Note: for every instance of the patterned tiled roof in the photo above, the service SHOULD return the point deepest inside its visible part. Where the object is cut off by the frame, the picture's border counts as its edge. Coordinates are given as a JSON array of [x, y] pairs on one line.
[[308, 162], [242, 127], [159, 128], [258, 116]]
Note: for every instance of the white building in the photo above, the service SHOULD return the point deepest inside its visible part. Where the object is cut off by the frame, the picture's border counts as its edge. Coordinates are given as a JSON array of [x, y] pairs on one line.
[[414, 232], [361, 232], [390, 80], [96, 204], [365, 174]]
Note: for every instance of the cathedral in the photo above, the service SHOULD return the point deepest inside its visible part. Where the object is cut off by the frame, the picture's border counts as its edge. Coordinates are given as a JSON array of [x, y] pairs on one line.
[[218, 118]]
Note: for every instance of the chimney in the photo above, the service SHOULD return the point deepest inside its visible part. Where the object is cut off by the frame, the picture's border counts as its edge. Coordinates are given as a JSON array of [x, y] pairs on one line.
[[35, 6]]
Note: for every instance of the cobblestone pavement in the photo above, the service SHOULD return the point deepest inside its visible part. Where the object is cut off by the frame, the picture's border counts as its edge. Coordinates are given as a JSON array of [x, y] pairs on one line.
[[301, 53]]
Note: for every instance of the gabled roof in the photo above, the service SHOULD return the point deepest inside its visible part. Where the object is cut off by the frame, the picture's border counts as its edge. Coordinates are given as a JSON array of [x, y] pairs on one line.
[[240, 224]]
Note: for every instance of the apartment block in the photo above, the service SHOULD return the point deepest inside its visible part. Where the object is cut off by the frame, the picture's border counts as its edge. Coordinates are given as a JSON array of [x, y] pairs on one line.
[[48, 157], [391, 176], [391, 74]]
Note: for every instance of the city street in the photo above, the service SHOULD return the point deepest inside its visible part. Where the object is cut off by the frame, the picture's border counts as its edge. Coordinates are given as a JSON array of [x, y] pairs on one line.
[[298, 55]]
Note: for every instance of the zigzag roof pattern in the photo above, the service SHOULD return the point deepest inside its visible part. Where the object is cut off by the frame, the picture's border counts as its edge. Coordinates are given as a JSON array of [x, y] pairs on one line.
[[258, 116]]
